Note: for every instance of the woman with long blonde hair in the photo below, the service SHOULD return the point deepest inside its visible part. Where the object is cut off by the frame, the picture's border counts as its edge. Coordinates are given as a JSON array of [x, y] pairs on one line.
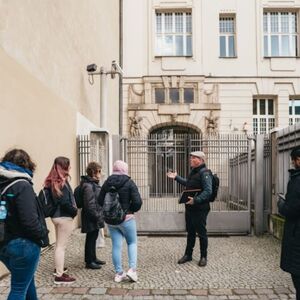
[[57, 186]]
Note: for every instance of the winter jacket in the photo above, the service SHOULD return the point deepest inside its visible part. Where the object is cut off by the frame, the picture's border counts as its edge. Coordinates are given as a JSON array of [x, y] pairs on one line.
[[25, 218], [91, 213], [66, 205], [130, 198], [290, 209], [198, 179]]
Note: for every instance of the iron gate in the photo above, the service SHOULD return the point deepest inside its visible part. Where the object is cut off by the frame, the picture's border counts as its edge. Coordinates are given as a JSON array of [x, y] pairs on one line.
[[150, 158]]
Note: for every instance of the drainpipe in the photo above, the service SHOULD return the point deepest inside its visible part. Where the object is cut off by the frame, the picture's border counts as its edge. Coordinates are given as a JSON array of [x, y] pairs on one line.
[[121, 64], [103, 98]]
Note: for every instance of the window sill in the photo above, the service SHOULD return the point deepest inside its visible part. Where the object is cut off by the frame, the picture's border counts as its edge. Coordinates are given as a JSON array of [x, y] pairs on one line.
[[173, 56], [268, 57], [228, 57]]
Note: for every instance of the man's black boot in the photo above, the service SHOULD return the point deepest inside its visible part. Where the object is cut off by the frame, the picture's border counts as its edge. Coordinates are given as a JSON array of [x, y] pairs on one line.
[[99, 262], [185, 258], [202, 262], [93, 266]]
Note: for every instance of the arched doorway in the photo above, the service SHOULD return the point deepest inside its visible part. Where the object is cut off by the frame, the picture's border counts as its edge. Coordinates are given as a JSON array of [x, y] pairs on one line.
[[169, 148]]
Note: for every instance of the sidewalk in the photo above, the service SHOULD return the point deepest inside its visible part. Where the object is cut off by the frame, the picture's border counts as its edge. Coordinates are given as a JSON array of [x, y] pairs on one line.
[[238, 268]]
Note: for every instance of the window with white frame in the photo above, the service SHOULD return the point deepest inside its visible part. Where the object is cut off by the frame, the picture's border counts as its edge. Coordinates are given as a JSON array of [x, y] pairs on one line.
[[280, 34], [227, 36], [294, 111], [173, 34], [263, 115], [174, 95]]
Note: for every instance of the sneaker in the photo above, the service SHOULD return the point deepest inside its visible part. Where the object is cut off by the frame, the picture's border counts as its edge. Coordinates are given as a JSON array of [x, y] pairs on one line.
[[65, 271], [65, 278], [132, 275], [120, 277]]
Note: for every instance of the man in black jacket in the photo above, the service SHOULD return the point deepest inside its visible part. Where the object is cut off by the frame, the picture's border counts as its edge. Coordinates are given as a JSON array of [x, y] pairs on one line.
[[290, 209], [197, 207]]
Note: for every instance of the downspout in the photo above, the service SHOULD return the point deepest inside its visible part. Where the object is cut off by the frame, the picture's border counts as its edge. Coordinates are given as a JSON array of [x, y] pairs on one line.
[[121, 65]]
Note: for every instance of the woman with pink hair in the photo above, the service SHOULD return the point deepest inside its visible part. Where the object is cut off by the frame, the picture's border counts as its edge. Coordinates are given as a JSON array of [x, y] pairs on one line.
[[57, 186]]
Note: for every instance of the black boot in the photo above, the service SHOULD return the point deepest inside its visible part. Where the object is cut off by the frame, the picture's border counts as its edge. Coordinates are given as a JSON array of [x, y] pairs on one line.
[[99, 262], [185, 258], [202, 262]]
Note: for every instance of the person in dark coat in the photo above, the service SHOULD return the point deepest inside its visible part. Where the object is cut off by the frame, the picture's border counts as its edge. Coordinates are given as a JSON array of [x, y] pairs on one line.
[[25, 227], [58, 187], [290, 209], [131, 202], [197, 207], [91, 214]]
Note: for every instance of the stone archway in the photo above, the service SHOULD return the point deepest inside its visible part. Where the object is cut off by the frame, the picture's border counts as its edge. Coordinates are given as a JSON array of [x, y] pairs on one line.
[[169, 149]]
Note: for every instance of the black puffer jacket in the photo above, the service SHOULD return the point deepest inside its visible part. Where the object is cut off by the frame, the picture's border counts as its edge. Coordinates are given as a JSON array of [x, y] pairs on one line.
[[198, 179], [290, 209], [91, 213], [24, 218], [130, 198]]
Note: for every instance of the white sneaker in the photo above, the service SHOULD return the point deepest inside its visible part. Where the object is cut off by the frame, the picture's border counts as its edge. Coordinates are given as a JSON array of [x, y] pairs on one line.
[[132, 275], [120, 277]]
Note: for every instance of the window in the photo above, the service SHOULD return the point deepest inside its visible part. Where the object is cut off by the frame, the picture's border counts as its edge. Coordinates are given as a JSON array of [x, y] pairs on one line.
[[173, 34], [263, 115], [280, 34], [174, 95], [294, 111], [227, 36]]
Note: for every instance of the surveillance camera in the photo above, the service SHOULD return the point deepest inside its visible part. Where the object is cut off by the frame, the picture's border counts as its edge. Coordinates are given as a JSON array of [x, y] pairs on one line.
[[116, 67], [91, 68]]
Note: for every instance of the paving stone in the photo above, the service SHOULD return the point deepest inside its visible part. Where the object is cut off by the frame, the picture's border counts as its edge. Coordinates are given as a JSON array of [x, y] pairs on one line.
[[80, 290], [117, 292], [199, 292], [61, 290], [263, 291], [178, 292], [282, 290], [219, 292], [159, 292], [139, 292], [97, 291], [44, 290], [243, 291], [234, 297]]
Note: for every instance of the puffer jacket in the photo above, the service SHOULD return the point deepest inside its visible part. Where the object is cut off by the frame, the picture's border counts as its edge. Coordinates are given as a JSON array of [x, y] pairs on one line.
[[198, 179], [91, 213], [24, 218], [290, 209], [130, 198]]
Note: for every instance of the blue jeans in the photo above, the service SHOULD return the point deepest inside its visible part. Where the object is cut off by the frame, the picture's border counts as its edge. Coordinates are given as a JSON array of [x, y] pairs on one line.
[[21, 257], [126, 230]]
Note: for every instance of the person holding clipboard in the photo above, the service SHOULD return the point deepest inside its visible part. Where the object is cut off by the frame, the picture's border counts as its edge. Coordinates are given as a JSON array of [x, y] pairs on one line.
[[198, 190]]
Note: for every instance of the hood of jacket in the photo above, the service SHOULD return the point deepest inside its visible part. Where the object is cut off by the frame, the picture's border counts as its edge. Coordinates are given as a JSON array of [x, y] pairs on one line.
[[294, 172], [117, 180], [88, 179]]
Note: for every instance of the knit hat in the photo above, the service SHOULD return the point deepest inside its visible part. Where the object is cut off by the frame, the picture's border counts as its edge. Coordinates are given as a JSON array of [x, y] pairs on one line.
[[295, 152], [120, 167], [199, 154]]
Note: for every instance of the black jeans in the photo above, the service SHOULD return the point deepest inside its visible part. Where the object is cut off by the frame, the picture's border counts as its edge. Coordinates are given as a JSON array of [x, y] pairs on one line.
[[296, 281], [90, 246], [196, 224]]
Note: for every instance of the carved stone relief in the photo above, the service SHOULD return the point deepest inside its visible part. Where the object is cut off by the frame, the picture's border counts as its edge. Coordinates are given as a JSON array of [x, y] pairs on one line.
[[135, 96], [135, 124], [211, 123]]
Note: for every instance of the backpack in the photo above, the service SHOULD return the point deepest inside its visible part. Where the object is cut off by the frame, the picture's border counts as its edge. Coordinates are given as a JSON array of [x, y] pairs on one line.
[[215, 185], [4, 198], [47, 203], [113, 212], [78, 195]]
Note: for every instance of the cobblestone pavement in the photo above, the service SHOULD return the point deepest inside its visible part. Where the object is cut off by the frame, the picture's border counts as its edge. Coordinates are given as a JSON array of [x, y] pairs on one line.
[[244, 267]]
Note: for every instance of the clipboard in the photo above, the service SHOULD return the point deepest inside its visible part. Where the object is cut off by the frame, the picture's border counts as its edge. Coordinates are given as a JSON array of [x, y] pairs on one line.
[[187, 193]]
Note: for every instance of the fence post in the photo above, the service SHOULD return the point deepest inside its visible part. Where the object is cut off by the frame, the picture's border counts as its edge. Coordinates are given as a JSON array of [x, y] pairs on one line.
[[259, 187]]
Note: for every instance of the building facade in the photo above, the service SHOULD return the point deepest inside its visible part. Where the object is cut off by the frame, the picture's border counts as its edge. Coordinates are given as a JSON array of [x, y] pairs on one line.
[[228, 66]]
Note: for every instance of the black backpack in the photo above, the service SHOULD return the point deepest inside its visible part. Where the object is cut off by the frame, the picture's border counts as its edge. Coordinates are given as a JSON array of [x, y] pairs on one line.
[[215, 184], [47, 203], [78, 194], [113, 212]]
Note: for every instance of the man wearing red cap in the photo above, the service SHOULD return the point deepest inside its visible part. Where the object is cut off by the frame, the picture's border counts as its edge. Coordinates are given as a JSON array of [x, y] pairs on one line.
[[197, 207]]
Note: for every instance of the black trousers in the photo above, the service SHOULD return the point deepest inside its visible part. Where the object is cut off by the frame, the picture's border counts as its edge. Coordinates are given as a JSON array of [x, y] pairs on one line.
[[90, 246], [296, 281], [196, 224]]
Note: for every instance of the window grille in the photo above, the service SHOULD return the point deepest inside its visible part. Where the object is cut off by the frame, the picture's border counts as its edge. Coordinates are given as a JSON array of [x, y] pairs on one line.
[[263, 115]]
